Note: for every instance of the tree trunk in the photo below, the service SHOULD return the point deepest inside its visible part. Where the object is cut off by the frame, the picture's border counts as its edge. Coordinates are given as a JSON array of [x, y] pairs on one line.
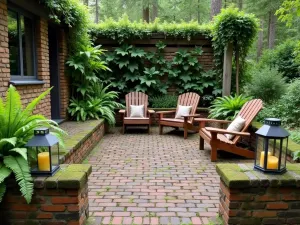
[[271, 29], [240, 4], [97, 11], [154, 10], [260, 40], [86, 2], [237, 73], [216, 6], [146, 14], [227, 69], [198, 11]]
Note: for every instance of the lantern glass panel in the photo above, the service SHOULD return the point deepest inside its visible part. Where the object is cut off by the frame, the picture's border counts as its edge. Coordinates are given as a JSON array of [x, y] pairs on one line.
[[55, 155], [259, 151]]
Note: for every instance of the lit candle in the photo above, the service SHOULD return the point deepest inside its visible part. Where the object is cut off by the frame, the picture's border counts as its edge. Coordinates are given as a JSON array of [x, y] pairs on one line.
[[262, 158], [44, 161], [272, 162]]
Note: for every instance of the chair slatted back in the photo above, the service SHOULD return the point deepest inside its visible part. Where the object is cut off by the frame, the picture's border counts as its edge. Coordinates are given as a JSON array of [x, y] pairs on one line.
[[136, 98], [248, 112], [189, 99]]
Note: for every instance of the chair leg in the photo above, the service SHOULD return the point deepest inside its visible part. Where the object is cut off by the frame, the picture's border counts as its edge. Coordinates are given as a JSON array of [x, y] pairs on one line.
[[185, 133], [213, 155], [161, 129], [123, 130], [201, 144], [148, 129]]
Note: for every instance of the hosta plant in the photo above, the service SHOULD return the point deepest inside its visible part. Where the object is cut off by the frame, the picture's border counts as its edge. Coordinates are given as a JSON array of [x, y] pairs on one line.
[[17, 126], [227, 107]]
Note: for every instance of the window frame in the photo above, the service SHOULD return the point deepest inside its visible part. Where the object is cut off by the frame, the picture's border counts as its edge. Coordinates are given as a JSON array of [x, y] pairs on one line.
[[21, 12]]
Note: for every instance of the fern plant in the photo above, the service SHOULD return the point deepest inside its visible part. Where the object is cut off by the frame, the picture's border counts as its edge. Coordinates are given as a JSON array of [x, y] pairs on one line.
[[227, 107], [100, 105], [17, 127]]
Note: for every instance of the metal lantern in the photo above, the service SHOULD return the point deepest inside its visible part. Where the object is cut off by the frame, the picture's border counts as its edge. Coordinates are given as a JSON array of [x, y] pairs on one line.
[[44, 143], [271, 147]]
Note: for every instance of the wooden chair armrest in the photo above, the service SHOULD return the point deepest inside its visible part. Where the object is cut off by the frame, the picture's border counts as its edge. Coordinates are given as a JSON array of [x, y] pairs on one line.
[[191, 115], [122, 111], [223, 131], [212, 120], [151, 111], [166, 112]]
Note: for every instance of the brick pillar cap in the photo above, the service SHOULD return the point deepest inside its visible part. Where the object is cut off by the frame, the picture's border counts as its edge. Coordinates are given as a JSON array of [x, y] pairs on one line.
[[244, 176]]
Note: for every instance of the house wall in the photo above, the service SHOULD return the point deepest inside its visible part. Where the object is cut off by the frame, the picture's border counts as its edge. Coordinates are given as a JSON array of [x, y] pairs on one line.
[[29, 92]]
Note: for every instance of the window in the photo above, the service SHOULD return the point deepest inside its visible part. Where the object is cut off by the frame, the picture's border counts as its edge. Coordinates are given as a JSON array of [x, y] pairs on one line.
[[21, 45]]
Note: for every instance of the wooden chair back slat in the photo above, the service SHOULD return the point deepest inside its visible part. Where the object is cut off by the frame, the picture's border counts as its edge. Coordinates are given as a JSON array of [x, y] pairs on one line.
[[189, 99], [136, 98], [248, 112]]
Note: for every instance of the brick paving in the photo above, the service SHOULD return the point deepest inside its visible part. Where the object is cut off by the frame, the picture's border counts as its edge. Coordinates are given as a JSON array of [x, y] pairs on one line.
[[152, 179]]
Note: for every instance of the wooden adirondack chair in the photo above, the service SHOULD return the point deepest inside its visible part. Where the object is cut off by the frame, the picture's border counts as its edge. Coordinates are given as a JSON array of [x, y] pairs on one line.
[[216, 137], [187, 99], [136, 98]]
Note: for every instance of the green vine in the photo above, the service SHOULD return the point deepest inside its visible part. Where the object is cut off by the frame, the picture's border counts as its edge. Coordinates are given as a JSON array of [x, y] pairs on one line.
[[75, 16], [233, 26]]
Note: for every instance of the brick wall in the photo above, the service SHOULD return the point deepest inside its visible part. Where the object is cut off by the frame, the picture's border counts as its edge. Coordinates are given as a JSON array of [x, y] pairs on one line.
[[29, 92], [85, 146], [260, 205], [57, 200], [64, 82], [4, 52]]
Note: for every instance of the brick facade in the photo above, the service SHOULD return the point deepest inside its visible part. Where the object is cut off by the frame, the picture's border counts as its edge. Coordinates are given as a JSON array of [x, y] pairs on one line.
[[29, 92], [4, 52], [64, 82]]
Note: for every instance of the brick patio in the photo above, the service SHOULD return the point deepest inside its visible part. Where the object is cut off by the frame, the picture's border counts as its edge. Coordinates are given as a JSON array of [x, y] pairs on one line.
[[151, 179]]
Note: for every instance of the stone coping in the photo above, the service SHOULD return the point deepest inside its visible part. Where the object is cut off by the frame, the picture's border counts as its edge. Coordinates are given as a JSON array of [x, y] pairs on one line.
[[78, 132], [69, 176], [244, 176], [292, 146]]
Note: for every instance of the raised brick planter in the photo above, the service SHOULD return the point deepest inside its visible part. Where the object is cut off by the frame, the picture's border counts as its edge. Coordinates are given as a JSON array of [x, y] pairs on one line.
[[82, 138], [251, 197], [58, 200]]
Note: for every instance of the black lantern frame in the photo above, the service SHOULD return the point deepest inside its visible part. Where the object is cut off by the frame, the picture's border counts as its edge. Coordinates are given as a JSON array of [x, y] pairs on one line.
[[43, 139], [273, 137]]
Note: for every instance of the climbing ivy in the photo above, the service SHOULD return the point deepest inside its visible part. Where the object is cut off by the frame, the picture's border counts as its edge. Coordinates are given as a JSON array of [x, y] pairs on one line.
[[75, 15], [133, 69]]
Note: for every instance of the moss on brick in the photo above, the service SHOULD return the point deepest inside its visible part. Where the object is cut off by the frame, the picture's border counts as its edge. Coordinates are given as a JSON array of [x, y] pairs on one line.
[[69, 176], [71, 180], [234, 177]]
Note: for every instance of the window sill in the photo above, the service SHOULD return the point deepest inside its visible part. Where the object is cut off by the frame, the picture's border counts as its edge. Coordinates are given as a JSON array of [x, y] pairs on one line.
[[26, 82]]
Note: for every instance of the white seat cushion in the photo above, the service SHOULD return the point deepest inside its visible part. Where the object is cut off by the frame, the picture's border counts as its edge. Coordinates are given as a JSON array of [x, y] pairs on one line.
[[137, 111], [183, 111], [236, 125]]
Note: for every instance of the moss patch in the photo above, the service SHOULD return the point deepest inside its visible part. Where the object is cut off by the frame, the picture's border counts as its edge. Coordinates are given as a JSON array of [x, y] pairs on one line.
[[234, 177]]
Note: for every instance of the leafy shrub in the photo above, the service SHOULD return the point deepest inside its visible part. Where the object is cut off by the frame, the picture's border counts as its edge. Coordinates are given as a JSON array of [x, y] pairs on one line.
[[266, 84], [295, 136], [287, 108], [283, 58], [226, 108], [101, 105], [17, 127], [164, 101]]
